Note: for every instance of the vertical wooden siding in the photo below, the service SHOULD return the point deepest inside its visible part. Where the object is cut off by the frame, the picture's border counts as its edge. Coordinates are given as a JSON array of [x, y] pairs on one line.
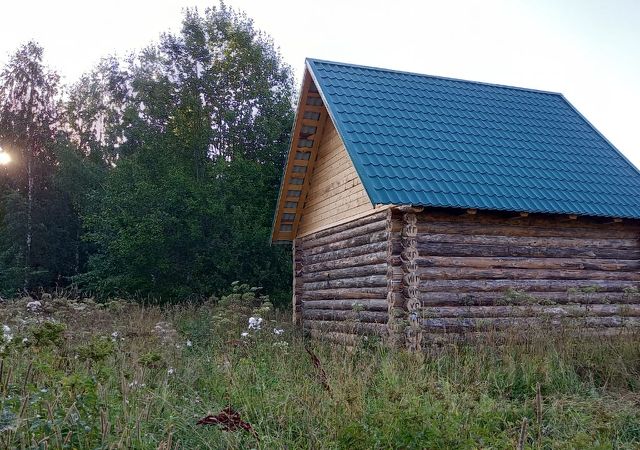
[[335, 193]]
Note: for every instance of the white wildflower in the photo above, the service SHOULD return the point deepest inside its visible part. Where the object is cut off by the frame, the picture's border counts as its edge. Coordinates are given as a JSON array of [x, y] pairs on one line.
[[171, 370], [255, 323], [6, 333], [115, 335], [34, 305], [136, 384], [165, 332], [189, 344], [244, 334], [278, 331]]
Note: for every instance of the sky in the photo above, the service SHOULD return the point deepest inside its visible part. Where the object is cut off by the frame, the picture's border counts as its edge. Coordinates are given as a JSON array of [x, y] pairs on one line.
[[587, 49]]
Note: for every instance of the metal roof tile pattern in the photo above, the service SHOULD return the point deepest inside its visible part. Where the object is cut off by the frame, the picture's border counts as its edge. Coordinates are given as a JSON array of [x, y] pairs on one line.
[[432, 141]]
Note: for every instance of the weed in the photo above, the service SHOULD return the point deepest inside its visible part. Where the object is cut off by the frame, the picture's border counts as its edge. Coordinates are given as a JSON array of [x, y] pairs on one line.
[[149, 390], [49, 333], [97, 350], [151, 359]]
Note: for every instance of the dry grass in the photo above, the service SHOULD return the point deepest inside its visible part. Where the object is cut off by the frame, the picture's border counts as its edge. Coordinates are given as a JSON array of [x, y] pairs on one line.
[[144, 387]]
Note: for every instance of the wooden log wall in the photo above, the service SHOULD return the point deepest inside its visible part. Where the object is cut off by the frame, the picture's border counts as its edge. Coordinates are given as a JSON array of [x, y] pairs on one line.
[[341, 279], [416, 277], [492, 272]]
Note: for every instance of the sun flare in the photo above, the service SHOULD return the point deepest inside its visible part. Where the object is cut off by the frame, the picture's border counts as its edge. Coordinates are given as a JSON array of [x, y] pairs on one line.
[[5, 158]]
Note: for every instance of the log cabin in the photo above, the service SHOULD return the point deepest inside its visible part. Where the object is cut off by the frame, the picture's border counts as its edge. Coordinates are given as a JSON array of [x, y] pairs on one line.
[[423, 208]]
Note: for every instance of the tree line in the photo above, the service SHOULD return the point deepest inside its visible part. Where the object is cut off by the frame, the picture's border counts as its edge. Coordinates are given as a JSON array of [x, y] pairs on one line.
[[154, 175]]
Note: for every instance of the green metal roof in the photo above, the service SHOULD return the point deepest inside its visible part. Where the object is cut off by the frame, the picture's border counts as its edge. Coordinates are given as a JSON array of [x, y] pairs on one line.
[[433, 141]]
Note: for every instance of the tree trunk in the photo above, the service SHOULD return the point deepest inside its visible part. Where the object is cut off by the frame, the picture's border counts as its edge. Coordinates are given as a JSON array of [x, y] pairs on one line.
[[27, 258]]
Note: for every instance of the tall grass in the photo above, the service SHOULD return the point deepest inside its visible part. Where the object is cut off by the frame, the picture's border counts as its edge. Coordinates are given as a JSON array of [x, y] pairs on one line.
[[144, 387]]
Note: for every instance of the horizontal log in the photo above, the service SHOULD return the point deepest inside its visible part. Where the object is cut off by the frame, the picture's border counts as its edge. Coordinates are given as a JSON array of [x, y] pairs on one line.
[[505, 229], [346, 327], [345, 283], [535, 323], [532, 222], [360, 271], [354, 261], [375, 217], [521, 298], [525, 335], [344, 315], [346, 294], [481, 262], [366, 229], [527, 241], [531, 311], [448, 249], [379, 236], [345, 253], [457, 273], [470, 286], [334, 337], [366, 304]]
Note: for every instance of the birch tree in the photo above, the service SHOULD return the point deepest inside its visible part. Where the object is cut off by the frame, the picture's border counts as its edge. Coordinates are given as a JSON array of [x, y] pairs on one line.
[[28, 114]]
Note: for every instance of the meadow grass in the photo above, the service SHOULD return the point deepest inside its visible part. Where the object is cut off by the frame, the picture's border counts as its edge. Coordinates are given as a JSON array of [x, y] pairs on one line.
[[130, 376]]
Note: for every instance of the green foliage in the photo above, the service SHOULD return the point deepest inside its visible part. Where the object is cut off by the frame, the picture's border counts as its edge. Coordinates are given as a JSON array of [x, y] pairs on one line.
[[156, 176], [168, 236], [29, 93], [151, 359], [49, 333], [519, 297], [149, 392], [189, 204], [584, 290], [98, 349], [234, 309], [632, 292]]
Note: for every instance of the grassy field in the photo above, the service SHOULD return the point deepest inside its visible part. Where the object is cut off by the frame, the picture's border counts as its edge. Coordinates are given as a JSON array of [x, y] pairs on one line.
[[75, 374]]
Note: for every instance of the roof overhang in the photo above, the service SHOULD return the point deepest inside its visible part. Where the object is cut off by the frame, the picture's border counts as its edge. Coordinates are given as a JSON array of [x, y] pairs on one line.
[[311, 116]]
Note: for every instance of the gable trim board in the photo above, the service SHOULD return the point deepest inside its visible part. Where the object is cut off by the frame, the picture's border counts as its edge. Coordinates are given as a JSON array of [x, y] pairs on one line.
[[311, 116]]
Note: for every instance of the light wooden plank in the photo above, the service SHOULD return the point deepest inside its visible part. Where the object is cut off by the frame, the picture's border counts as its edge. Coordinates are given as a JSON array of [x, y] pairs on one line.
[[337, 194]]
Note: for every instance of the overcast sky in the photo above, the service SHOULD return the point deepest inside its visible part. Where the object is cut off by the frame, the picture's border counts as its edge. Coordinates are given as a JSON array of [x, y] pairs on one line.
[[587, 49]]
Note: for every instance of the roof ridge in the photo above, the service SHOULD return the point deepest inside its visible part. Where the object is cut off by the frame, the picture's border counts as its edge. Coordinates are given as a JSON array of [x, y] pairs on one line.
[[440, 77]]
